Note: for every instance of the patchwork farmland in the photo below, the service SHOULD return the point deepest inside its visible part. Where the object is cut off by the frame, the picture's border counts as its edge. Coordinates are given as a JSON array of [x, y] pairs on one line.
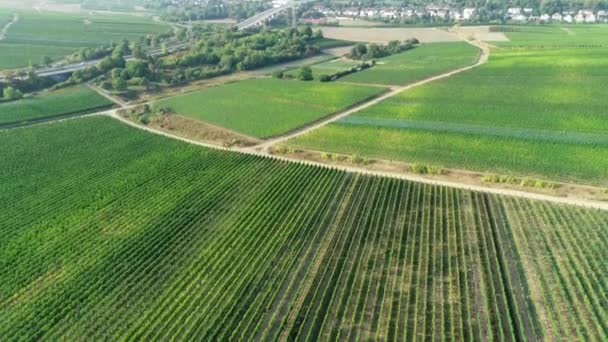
[[552, 127], [114, 233]]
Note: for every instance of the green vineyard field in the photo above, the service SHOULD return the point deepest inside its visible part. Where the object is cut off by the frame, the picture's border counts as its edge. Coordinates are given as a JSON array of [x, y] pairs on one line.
[[111, 233]]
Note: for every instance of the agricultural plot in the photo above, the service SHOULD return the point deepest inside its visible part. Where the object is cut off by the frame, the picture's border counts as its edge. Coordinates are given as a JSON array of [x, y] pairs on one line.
[[267, 107], [111, 233], [413, 65], [55, 35], [528, 112], [54, 104], [554, 36]]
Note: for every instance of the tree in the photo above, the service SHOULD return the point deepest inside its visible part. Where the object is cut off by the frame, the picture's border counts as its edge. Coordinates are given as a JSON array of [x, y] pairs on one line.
[[46, 60], [119, 84], [305, 74], [307, 32], [11, 93], [358, 50]]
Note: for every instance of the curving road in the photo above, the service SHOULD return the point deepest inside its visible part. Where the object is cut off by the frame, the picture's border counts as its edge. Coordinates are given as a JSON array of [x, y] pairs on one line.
[[8, 25]]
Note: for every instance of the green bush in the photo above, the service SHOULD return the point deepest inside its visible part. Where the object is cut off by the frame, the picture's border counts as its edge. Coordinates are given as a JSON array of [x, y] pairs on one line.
[[305, 74], [491, 178], [419, 168], [278, 74], [356, 159], [435, 170], [325, 78]]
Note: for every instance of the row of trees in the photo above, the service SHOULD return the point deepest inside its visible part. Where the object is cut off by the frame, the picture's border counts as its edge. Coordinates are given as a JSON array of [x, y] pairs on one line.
[[372, 51]]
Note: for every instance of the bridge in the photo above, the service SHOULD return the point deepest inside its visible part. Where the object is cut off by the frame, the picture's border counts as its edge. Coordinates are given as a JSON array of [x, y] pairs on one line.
[[263, 17]]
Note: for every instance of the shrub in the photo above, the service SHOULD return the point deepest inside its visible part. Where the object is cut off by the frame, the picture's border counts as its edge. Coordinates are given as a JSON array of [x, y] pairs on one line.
[[605, 190], [326, 156], [527, 182], [435, 170], [419, 168], [356, 159], [278, 74], [280, 149], [491, 178], [325, 78], [305, 74], [509, 180]]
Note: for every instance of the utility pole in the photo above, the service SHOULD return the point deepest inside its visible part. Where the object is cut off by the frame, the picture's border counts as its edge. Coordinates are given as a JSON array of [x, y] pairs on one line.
[[294, 19]]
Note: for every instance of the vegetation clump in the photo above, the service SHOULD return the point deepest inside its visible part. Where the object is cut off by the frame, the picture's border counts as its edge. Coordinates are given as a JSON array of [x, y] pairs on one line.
[[372, 51]]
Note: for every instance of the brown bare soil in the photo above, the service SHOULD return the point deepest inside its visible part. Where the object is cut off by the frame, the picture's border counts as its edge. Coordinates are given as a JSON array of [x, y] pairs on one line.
[[201, 131]]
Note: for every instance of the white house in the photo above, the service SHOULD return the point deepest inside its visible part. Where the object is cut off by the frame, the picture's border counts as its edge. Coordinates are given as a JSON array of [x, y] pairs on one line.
[[519, 17], [557, 17], [545, 17], [568, 18], [590, 19], [514, 11], [468, 13], [528, 10], [602, 16]]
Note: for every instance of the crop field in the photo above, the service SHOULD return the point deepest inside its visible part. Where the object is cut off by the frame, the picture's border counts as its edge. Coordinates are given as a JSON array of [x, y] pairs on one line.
[[111, 233], [267, 107], [528, 112], [413, 65], [554, 36], [54, 104], [57, 34]]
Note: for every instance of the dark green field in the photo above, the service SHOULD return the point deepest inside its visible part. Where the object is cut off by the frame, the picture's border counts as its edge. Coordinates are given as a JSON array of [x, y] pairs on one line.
[[112, 233]]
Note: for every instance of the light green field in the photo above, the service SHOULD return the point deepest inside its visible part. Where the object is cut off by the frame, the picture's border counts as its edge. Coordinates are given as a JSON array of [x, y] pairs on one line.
[[57, 34], [110, 233], [416, 64], [555, 36], [527, 112], [60, 103], [267, 107]]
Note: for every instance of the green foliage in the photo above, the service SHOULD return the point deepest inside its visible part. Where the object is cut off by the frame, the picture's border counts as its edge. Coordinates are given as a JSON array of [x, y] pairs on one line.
[[278, 74], [270, 107], [305, 74], [10, 93]]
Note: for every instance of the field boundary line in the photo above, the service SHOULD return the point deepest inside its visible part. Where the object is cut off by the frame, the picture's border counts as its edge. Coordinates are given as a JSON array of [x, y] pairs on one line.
[[483, 58]]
